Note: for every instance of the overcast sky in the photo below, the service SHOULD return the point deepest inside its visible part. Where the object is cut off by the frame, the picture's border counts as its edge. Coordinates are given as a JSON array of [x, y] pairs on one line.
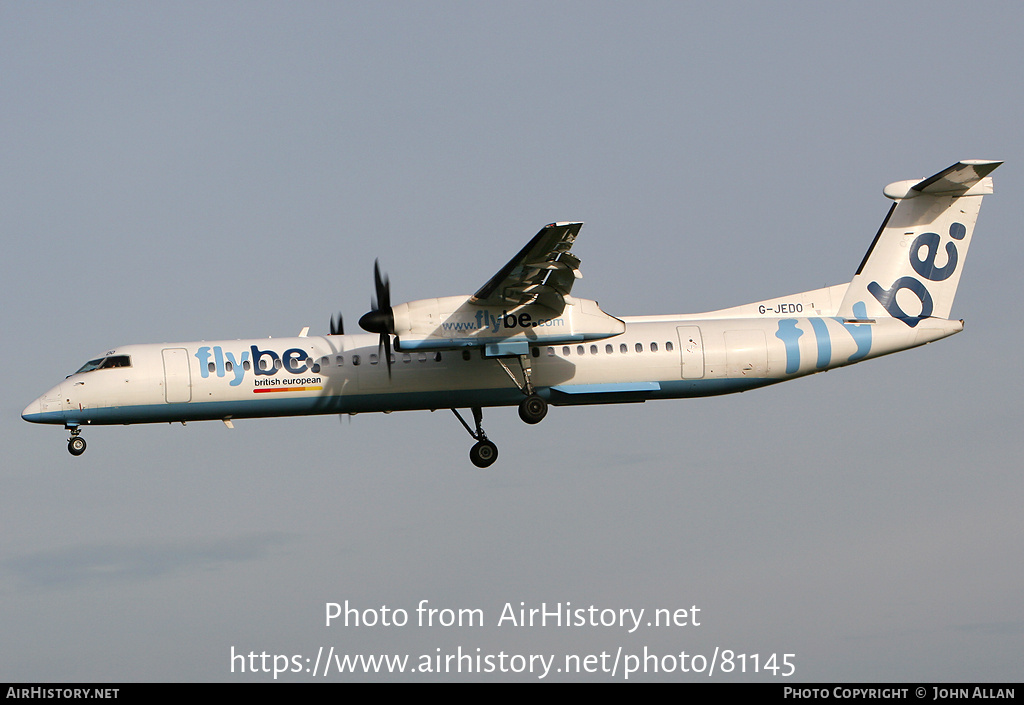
[[185, 171]]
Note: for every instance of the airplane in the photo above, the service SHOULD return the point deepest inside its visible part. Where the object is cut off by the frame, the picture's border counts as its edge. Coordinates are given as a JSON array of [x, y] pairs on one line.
[[523, 340]]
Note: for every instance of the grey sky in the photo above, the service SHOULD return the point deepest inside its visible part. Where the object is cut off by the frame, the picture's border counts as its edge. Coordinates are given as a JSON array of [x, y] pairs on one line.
[[185, 171]]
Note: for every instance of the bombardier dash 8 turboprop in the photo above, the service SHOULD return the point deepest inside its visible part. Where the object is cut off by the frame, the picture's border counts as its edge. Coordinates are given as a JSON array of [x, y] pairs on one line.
[[521, 339]]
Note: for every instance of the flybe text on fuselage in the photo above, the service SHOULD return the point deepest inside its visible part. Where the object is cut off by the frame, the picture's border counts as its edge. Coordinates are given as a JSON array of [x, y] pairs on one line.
[[485, 320], [214, 360]]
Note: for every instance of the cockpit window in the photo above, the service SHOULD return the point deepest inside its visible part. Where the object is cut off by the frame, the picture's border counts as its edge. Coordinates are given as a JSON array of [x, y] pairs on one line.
[[90, 366], [105, 363]]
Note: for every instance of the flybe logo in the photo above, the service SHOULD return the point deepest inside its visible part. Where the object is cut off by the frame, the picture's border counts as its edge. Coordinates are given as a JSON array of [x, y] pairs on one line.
[[926, 268], [485, 320], [790, 334], [223, 363]]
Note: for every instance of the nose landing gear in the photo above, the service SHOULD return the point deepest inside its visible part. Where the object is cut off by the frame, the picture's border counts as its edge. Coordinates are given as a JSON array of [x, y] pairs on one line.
[[76, 444]]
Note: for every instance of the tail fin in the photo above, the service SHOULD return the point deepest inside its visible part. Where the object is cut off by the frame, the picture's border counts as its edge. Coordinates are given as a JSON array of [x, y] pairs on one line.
[[913, 267]]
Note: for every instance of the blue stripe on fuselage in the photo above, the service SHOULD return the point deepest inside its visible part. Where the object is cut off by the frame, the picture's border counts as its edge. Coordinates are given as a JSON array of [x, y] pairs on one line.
[[369, 403]]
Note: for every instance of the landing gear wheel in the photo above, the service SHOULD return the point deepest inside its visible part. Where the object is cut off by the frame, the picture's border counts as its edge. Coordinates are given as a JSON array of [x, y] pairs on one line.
[[533, 409], [483, 454], [76, 445]]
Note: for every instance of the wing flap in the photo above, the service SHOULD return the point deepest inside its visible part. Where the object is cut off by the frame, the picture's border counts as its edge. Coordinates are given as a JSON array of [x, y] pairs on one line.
[[544, 270]]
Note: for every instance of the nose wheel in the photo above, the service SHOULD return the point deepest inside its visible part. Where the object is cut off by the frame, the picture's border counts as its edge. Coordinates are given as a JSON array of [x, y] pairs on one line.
[[76, 444]]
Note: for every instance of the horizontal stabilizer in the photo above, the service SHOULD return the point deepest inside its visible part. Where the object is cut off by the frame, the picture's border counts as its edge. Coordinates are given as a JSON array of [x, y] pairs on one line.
[[959, 177], [963, 178]]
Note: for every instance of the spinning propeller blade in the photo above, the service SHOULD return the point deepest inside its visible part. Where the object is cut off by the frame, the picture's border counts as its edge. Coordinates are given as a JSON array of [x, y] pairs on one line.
[[380, 319], [337, 326]]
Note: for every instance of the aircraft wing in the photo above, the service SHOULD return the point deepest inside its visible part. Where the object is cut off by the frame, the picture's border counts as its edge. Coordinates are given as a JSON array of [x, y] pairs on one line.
[[543, 272]]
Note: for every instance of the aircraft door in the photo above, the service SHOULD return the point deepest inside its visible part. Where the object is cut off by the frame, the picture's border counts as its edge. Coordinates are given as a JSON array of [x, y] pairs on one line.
[[691, 352], [177, 377]]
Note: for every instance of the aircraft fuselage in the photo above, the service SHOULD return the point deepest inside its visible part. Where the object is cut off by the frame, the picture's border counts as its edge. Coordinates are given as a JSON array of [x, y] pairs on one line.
[[655, 358]]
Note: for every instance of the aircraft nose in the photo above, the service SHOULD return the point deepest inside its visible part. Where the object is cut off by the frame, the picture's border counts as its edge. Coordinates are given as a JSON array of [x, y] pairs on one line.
[[33, 410], [47, 408]]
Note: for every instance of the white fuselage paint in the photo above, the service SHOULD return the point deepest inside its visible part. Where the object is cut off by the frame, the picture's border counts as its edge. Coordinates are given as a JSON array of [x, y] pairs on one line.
[[655, 358]]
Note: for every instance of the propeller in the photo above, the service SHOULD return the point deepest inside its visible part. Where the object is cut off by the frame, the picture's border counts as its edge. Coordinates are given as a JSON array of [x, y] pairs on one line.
[[337, 326], [380, 319]]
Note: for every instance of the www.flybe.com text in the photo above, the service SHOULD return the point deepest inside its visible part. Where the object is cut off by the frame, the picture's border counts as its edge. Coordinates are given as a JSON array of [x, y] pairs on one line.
[[486, 320]]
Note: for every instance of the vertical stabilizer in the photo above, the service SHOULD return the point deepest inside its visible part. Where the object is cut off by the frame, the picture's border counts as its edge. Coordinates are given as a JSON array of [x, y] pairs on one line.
[[913, 267]]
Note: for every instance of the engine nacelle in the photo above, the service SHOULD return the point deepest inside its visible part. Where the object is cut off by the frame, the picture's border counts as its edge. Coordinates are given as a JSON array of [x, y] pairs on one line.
[[453, 322]]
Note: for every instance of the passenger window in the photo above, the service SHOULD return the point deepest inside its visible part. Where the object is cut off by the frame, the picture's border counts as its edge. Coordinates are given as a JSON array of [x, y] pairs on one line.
[[373, 358], [566, 351], [608, 348], [245, 365], [654, 347], [227, 366], [340, 359], [437, 357], [211, 367], [580, 350], [536, 352], [668, 346], [355, 360], [551, 352], [639, 347], [593, 350], [623, 349], [406, 357]]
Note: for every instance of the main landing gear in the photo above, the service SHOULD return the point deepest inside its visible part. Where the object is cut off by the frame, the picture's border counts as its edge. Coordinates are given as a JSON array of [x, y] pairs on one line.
[[533, 408], [484, 453], [76, 444]]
